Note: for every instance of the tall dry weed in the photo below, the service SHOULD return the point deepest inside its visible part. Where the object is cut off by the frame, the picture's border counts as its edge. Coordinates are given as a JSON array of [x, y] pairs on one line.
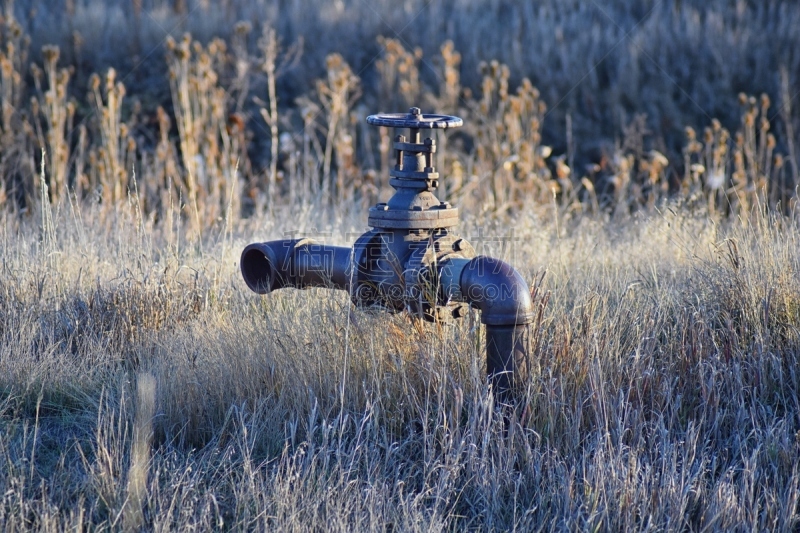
[[115, 158], [15, 130], [208, 151], [53, 135]]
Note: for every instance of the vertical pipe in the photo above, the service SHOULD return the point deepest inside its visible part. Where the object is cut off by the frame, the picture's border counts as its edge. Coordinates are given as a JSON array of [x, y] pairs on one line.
[[507, 363]]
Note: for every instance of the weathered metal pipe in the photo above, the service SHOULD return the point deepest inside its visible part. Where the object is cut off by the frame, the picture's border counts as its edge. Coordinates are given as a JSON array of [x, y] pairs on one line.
[[297, 263], [498, 290], [411, 260], [501, 294]]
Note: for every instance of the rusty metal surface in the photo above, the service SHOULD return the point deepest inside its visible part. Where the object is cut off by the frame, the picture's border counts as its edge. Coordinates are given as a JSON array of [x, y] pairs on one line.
[[411, 260], [414, 177]]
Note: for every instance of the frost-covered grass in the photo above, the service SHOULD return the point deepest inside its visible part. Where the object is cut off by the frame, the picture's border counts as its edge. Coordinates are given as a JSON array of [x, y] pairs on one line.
[[142, 384]]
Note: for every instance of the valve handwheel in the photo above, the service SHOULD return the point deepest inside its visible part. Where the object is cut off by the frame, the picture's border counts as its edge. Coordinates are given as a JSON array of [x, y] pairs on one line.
[[414, 119], [413, 175]]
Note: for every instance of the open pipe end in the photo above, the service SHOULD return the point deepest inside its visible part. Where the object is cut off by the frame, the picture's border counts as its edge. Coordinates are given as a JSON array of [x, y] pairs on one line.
[[258, 267]]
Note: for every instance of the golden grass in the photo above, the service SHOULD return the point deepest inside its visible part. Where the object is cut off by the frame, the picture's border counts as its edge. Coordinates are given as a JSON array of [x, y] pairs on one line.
[[199, 151], [142, 386], [664, 393]]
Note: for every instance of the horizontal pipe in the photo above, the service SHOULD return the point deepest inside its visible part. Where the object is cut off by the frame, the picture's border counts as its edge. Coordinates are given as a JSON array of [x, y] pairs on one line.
[[297, 263], [450, 278]]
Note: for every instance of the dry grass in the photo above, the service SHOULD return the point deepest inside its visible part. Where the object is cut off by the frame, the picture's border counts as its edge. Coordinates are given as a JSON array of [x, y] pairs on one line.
[[143, 386], [664, 397], [584, 107]]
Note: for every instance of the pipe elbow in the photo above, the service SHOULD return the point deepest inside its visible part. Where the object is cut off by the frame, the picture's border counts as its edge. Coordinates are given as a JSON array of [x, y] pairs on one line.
[[498, 290]]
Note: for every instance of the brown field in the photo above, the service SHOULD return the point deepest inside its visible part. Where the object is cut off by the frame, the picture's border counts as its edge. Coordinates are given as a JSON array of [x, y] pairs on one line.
[[144, 387]]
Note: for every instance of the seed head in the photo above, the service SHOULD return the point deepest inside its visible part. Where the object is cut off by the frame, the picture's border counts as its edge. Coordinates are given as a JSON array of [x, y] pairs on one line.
[[110, 76], [545, 151], [6, 67], [697, 168], [771, 142], [15, 29], [542, 108], [242, 28], [505, 72], [94, 82], [694, 147], [50, 53], [658, 158], [742, 99]]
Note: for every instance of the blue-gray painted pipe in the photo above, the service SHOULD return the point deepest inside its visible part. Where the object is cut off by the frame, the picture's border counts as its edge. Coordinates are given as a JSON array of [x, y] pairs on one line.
[[298, 263], [501, 294]]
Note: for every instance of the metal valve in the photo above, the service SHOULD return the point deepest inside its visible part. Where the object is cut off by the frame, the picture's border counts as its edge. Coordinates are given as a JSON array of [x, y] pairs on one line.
[[410, 260]]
